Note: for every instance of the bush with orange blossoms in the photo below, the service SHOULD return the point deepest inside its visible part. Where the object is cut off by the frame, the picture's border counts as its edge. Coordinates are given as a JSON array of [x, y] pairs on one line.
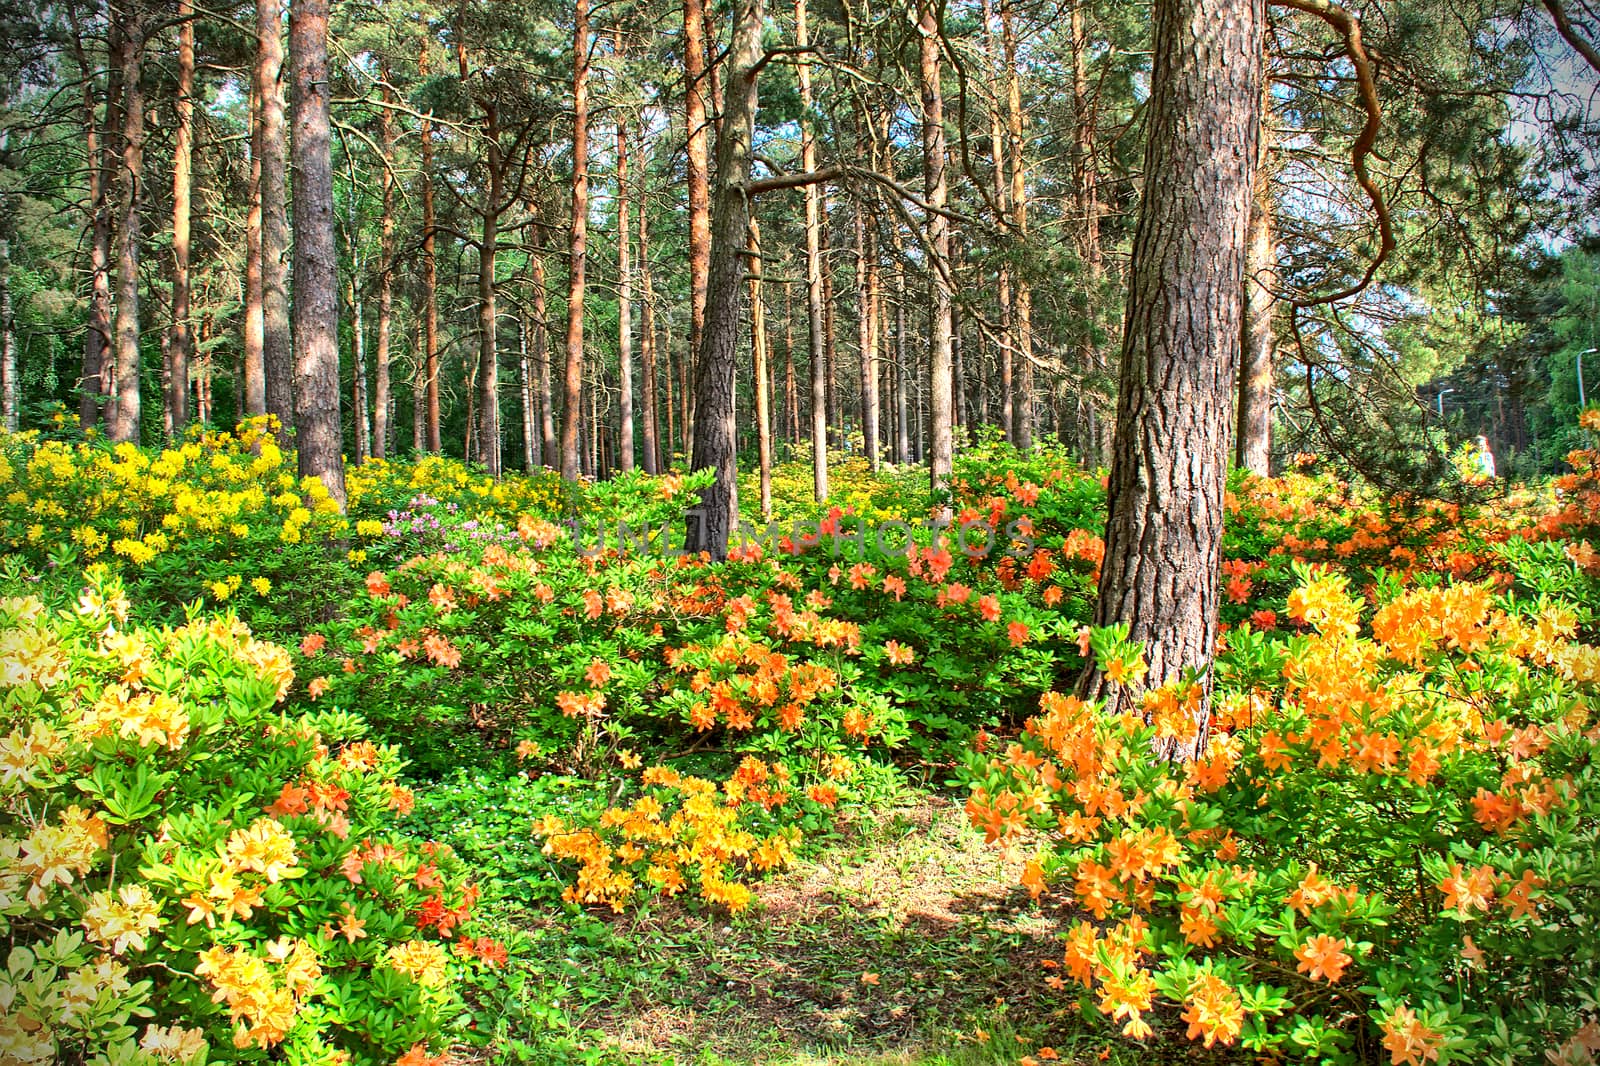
[[1388, 839]]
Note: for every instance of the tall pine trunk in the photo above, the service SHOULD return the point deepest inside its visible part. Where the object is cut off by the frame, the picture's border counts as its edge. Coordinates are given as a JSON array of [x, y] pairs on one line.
[[180, 341], [813, 224], [126, 408], [277, 349], [101, 158], [1094, 435], [571, 459], [647, 339], [625, 441], [1022, 295], [530, 438], [252, 359], [488, 315], [1181, 344], [941, 440], [715, 438], [430, 283], [759, 359], [386, 251], [866, 341], [1007, 342], [316, 270], [541, 355], [1253, 434], [10, 387], [698, 176]]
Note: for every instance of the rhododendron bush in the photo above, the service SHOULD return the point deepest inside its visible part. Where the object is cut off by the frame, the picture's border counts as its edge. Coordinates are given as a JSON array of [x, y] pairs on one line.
[[189, 871], [1389, 836]]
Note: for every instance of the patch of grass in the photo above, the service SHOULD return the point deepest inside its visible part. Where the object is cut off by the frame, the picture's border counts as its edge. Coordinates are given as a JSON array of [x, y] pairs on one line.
[[902, 942]]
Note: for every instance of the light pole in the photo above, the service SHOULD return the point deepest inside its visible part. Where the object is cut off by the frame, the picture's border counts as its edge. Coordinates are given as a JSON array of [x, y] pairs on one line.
[[1440, 399], [1582, 401]]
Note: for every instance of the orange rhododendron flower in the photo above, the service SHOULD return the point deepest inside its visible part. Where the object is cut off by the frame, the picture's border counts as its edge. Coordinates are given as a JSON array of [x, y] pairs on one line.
[[1322, 957]]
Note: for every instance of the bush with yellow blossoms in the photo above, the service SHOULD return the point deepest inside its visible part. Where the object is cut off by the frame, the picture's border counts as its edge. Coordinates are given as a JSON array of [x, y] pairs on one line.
[[1384, 849], [224, 518], [191, 871]]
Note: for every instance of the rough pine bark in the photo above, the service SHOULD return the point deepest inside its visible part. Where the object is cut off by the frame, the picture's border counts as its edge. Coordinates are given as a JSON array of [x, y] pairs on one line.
[[180, 342], [715, 438], [572, 416], [941, 439], [125, 409], [277, 348], [316, 275], [1181, 342]]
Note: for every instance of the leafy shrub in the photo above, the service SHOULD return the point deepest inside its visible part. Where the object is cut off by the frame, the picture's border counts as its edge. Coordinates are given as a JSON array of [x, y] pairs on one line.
[[175, 852], [1388, 838]]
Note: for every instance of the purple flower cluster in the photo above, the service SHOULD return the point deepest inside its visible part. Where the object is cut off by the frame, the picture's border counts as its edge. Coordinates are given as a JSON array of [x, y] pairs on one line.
[[425, 526]]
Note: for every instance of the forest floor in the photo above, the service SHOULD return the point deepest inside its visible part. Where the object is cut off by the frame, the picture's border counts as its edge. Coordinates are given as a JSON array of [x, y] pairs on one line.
[[905, 942]]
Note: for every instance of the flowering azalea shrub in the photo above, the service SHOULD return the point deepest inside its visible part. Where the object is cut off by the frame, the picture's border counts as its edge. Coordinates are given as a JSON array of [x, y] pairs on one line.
[[190, 873], [225, 518], [1386, 844]]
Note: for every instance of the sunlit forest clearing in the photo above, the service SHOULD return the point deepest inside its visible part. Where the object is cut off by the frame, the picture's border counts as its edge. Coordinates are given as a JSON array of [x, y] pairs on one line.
[[930, 534]]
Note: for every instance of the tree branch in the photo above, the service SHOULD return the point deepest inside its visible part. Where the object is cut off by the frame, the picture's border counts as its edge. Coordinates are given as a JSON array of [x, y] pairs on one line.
[[1350, 29], [1570, 34]]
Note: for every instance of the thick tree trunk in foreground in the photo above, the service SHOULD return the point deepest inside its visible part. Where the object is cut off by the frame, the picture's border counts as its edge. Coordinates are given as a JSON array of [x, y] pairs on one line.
[[1181, 345], [572, 417], [941, 439], [125, 409], [277, 349], [316, 269], [715, 438], [180, 342]]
